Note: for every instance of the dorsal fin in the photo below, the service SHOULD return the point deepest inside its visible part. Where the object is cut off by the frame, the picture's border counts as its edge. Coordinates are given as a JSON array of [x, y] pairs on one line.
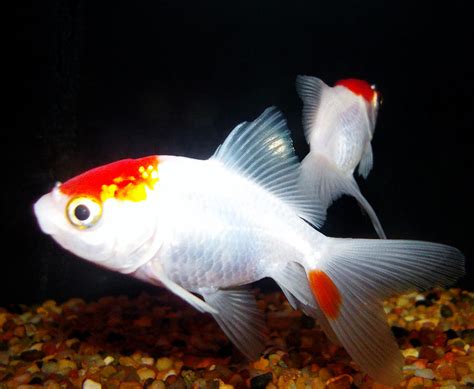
[[310, 90], [263, 151]]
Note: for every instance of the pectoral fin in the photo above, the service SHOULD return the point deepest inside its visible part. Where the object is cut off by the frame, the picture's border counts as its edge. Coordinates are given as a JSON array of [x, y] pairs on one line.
[[239, 318], [367, 161], [156, 275]]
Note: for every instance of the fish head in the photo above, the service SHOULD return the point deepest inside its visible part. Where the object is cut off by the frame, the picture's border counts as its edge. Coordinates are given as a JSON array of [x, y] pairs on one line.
[[105, 215], [368, 93]]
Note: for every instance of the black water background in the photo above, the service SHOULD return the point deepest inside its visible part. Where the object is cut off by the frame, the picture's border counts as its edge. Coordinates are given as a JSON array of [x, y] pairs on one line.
[[93, 82]]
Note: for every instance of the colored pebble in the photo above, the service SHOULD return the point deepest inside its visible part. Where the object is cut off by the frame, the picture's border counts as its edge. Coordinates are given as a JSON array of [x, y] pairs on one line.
[[468, 379], [410, 352], [164, 363], [447, 372], [425, 373], [90, 384], [156, 384], [261, 381], [111, 343], [428, 353], [446, 311], [415, 383], [145, 373], [325, 374], [108, 360], [261, 364]]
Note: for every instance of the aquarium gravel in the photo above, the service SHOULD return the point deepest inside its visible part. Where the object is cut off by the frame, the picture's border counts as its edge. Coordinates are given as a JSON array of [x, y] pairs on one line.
[[159, 341]]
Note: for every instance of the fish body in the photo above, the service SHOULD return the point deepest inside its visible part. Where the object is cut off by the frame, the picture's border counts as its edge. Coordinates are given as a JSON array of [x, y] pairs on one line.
[[221, 229], [339, 124], [206, 229]]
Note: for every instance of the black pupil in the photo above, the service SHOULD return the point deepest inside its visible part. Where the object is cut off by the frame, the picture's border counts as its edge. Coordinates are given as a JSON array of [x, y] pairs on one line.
[[82, 212]]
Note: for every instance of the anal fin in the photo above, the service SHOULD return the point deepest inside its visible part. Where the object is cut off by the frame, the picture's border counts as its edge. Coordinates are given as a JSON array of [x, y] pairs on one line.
[[294, 284]]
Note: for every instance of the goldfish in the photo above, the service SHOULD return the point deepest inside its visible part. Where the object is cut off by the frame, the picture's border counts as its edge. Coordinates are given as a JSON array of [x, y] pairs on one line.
[[207, 229], [339, 124]]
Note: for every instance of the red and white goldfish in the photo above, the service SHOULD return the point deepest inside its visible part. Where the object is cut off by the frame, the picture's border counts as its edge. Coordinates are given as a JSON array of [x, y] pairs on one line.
[[205, 229], [339, 124]]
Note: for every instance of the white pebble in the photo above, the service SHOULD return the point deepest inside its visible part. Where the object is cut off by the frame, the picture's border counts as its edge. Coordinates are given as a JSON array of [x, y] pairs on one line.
[[148, 361], [108, 360], [89, 384], [425, 373], [169, 373]]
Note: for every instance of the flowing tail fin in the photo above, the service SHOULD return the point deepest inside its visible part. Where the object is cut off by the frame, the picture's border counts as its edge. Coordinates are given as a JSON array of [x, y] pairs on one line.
[[321, 179], [348, 282]]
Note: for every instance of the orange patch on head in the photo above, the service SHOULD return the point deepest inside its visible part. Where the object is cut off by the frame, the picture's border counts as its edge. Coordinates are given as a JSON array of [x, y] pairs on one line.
[[325, 292], [125, 180], [359, 87]]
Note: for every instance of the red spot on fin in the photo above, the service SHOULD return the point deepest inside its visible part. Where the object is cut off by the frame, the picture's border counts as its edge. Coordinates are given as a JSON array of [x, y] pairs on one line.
[[359, 87], [124, 179], [325, 292]]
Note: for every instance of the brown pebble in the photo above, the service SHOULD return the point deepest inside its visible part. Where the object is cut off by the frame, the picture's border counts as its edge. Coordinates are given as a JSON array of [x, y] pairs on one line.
[[130, 385], [415, 383], [462, 369], [107, 371], [156, 384], [447, 372], [325, 374], [427, 352], [19, 331], [50, 384], [178, 383], [32, 355]]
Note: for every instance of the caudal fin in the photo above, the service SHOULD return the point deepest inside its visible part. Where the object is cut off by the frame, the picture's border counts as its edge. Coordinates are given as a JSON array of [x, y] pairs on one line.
[[349, 281], [321, 180], [355, 275]]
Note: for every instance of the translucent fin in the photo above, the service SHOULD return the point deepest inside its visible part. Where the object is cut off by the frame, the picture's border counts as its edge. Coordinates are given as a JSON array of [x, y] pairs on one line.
[[322, 180], [263, 152], [310, 90], [156, 275], [239, 318], [292, 278], [353, 190], [322, 321], [367, 161], [363, 272], [396, 266], [293, 282]]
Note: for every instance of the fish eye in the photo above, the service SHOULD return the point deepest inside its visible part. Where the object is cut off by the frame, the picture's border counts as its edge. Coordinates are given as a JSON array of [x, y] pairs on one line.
[[83, 212], [379, 99]]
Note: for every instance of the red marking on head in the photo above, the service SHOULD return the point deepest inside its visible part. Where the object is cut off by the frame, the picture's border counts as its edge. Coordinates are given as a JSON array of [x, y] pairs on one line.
[[325, 292], [359, 87], [116, 179]]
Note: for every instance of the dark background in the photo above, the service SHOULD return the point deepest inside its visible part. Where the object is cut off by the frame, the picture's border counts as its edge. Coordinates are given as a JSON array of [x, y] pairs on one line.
[[92, 82]]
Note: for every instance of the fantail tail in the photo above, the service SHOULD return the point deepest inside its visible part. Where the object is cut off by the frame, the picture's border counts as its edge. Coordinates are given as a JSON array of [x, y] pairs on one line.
[[350, 279]]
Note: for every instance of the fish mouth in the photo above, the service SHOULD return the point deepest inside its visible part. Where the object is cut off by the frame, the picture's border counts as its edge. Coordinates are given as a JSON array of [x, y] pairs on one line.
[[44, 213]]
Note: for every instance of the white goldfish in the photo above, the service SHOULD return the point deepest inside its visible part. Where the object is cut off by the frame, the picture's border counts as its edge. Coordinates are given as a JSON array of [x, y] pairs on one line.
[[339, 124], [209, 227]]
